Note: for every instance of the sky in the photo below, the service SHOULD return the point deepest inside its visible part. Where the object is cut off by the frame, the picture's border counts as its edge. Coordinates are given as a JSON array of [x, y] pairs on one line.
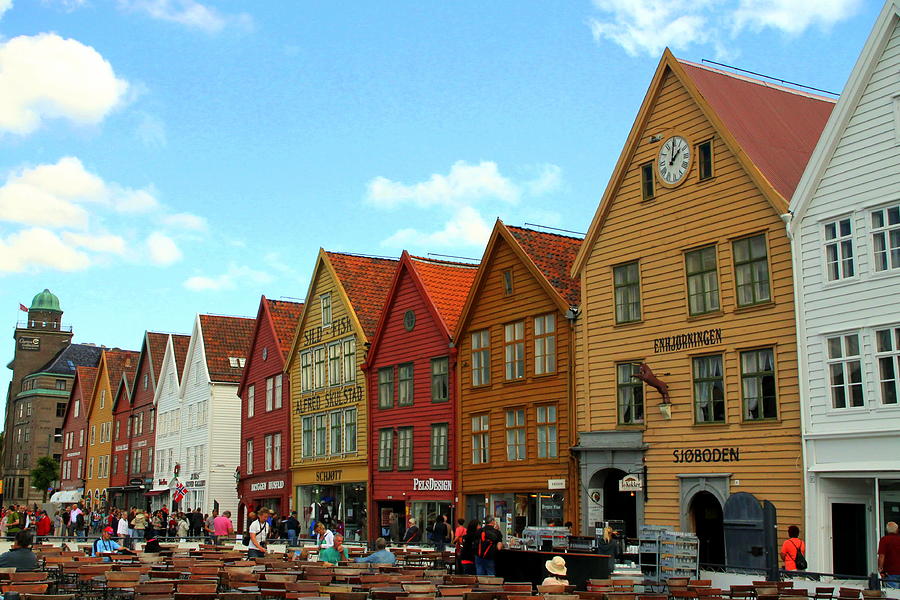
[[163, 158]]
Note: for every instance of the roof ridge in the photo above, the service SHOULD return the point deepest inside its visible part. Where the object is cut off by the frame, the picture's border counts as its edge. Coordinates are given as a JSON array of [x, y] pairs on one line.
[[218, 316], [761, 82], [448, 263], [567, 237], [375, 256]]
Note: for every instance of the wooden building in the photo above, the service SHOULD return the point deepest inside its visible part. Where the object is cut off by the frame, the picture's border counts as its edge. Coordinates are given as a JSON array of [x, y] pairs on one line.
[[120, 450], [265, 472], [515, 341], [74, 435], [687, 285], [328, 394], [411, 374]]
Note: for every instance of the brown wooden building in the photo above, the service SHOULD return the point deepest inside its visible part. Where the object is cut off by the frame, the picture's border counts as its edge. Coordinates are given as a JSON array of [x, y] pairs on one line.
[[515, 375], [686, 269]]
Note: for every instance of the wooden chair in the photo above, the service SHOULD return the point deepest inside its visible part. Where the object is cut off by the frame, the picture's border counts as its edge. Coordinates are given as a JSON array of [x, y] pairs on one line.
[[197, 587], [551, 589], [26, 576], [848, 593], [517, 587], [239, 596], [700, 583], [653, 597], [462, 579], [349, 596], [824, 593], [741, 592], [594, 595], [866, 594], [25, 588]]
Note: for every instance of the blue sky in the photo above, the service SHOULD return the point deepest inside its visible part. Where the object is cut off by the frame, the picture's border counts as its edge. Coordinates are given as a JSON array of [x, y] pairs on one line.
[[160, 158]]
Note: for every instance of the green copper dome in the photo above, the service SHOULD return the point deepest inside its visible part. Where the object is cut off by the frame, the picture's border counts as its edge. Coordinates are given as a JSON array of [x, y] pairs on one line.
[[46, 300]]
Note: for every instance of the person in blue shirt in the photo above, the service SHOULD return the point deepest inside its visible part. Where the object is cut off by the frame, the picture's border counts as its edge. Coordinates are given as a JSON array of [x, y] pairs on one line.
[[105, 545], [381, 556]]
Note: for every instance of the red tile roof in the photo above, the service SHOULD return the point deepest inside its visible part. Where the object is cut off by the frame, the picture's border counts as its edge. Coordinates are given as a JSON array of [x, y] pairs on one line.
[[285, 316], [448, 284], [225, 338], [180, 345], [778, 127], [87, 377], [553, 254], [367, 281], [119, 362], [156, 349]]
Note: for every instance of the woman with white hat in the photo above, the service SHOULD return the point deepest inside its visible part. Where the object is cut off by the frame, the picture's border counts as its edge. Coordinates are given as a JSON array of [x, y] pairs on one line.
[[557, 568]]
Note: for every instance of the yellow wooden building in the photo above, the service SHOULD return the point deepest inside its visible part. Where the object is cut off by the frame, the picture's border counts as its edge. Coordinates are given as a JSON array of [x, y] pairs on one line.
[[687, 379], [329, 459]]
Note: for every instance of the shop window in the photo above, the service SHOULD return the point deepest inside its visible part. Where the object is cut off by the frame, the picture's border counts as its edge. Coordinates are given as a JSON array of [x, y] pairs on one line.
[[839, 250], [751, 270], [545, 344], [386, 387], [307, 437], [306, 371], [439, 445], [319, 367], [249, 457], [270, 392], [709, 389], [758, 384], [702, 280], [647, 191], [886, 238], [405, 448], [385, 449], [405, 387], [515, 434], [349, 358], [546, 431], [481, 357], [480, 439], [626, 282], [334, 363], [514, 350], [251, 400], [337, 430], [350, 430], [440, 384], [321, 434], [507, 282], [845, 371], [887, 348], [326, 309], [705, 160], [630, 394]]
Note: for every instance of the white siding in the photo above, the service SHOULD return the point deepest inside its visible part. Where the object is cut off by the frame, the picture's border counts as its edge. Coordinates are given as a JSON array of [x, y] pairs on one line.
[[195, 389], [224, 446], [167, 401]]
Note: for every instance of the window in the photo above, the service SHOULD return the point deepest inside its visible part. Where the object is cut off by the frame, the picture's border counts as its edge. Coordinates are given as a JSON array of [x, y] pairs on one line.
[[251, 400], [150, 458], [136, 461], [306, 371], [702, 280], [93, 434], [480, 439], [545, 344], [326, 310], [319, 356], [844, 370], [278, 392], [385, 449], [405, 387], [758, 384], [886, 238], [514, 349], [77, 407], [481, 357], [838, 250], [61, 384], [81, 438], [515, 434], [546, 431], [118, 429], [336, 433], [705, 160], [440, 384], [146, 380], [267, 441], [349, 357], [405, 448], [102, 398], [334, 364], [270, 391], [276, 451], [350, 430], [80, 468], [140, 423], [751, 269], [90, 468], [626, 282], [887, 354], [647, 191], [630, 394], [115, 466], [386, 387], [307, 437], [439, 445], [709, 389], [507, 282], [321, 434], [249, 457]]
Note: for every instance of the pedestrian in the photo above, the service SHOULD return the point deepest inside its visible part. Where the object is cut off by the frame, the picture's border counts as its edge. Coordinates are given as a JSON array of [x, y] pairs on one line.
[[793, 551], [259, 532], [413, 535], [291, 527], [440, 534], [889, 556], [139, 524], [490, 540], [195, 520], [468, 548], [44, 524], [394, 527], [223, 528], [182, 526], [324, 536], [13, 521], [209, 527], [124, 532]]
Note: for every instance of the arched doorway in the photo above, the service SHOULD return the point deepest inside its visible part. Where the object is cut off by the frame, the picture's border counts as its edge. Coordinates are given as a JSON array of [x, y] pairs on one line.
[[613, 504], [706, 515]]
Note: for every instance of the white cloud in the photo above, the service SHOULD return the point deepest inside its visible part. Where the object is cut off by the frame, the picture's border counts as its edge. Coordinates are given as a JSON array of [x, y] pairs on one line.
[[45, 77], [549, 179], [5, 5], [466, 227], [35, 249], [162, 249], [189, 13], [127, 200], [151, 131], [228, 280], [186, 221], [112, 244], [648, 26]]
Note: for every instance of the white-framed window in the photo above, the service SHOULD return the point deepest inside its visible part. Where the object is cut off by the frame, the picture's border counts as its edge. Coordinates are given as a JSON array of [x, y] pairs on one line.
[[751, 270], [270, 392], [515, 434], [886, 237], [386, 387], [268, 452], [627, 292], [349, 358], [81, 438], [481, 357], [514, 349], [307, 428], [278, 391], [545, 344], [439, 445], [319, 366], [845, 371], [385, 449], [90, 467], [702, 280], [481, 439], [306, 371], [102, 398], [440, 379], [249, 457], [839, 250], [334, 363], [546, 431], [93, 434], [251, 401], [630, 394], [118, 430], [404, 448], [349, 430], [150, 458], [326, 310], [758, 384], [709, 389], [276, 451], [887, 355], [77, 407]]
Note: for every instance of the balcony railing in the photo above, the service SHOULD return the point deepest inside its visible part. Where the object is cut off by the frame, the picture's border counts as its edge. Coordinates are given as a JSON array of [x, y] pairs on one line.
[[43, 325]]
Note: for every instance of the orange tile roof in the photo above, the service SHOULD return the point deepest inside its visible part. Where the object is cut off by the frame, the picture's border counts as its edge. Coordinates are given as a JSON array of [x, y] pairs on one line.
[[553, 254], [778, 127], [225, 338], [180, 345], [367, 281], [156, 349], [119, 362], [87, 377], [285, 316], [448, 284]]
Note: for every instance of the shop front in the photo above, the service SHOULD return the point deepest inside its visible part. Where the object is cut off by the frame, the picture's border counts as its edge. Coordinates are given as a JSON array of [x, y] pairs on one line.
[[272, 491], [515, 511], [421, 498], [334, 496]]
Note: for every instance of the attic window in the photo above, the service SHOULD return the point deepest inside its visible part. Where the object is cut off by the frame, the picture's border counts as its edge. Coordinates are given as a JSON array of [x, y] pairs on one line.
[[326, 310], [265, 353], [705, 156], [647, 191], [507, 282], [236, 362], [71, 365]]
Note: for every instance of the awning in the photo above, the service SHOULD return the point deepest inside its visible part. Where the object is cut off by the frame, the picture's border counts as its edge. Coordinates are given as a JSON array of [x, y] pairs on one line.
[[66, 497], [156, 492]]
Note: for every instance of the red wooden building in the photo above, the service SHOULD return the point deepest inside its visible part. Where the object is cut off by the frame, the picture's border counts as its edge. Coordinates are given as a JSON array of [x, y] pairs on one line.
[[74, 432], [265, 411], [410, 370]]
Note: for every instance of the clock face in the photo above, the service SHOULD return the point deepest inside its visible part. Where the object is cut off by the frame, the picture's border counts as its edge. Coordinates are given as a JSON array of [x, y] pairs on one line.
[[674, 160]]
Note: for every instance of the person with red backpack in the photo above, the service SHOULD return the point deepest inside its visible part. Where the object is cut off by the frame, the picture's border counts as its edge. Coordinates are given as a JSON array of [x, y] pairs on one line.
[[490, 540]]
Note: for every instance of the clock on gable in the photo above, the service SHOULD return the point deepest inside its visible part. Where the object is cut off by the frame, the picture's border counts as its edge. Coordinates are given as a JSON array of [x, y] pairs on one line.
[[674, 160]]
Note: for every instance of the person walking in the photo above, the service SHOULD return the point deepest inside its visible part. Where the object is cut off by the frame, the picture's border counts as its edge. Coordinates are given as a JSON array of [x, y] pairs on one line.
[[223, 528], [324, 536], [440, 534], [468, 549], [889, 556], [13, 521], [793, 551], [291, 527], [490, 540], [259, 532], [139, 524]]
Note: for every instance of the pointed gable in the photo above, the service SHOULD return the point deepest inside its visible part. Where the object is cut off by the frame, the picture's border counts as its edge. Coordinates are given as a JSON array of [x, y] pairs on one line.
[[226, 339], [155, 347], [180, 345], [285, 316], [553, 254], [447, 284], [85, 379], [120, 363], [366, 280]]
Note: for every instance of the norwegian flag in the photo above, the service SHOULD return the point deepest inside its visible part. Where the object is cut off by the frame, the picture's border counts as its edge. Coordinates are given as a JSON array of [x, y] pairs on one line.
[[23, 308], [180, 492]]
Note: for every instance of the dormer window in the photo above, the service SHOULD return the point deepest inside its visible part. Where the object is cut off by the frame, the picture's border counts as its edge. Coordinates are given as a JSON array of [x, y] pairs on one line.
[[326, 310], [236, 362], [507, 282]]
